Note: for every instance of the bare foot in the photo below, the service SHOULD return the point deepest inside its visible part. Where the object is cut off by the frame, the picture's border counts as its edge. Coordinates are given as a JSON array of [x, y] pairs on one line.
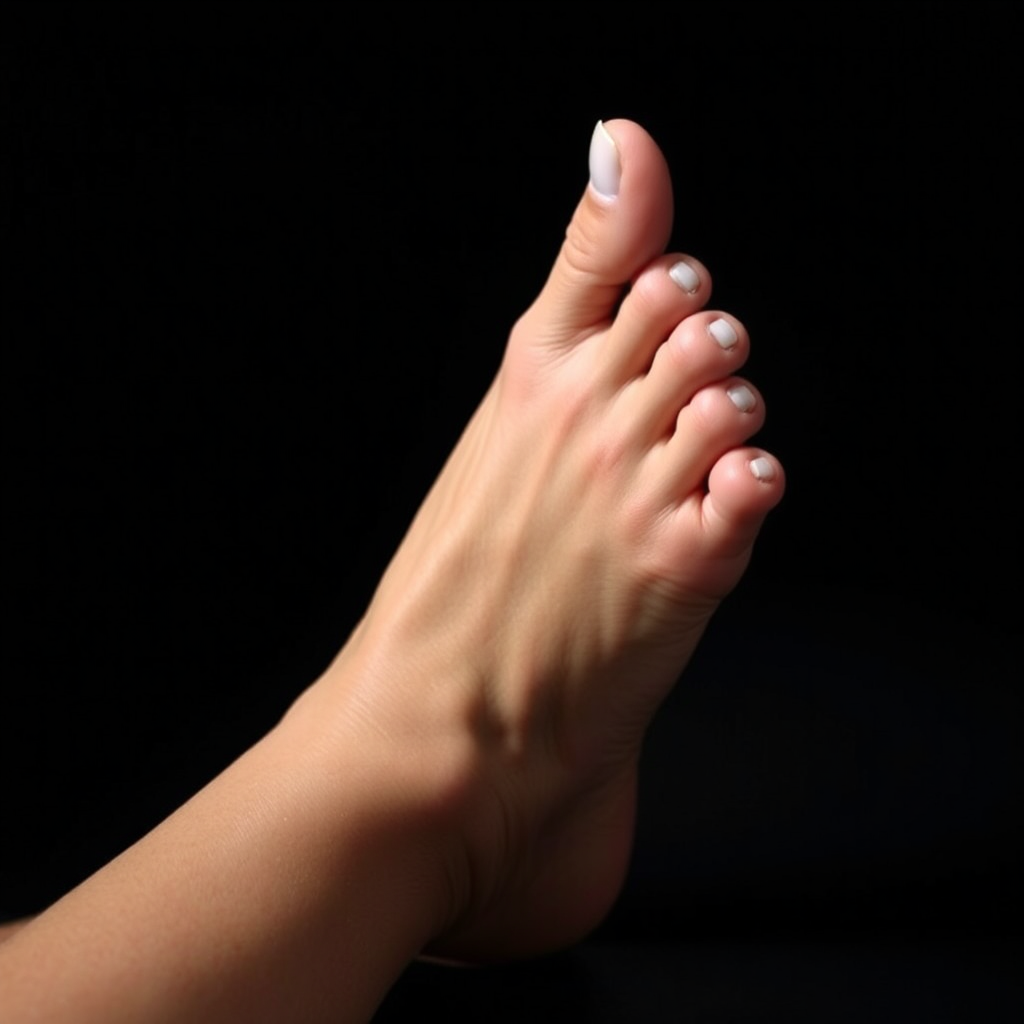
[[563, 568]]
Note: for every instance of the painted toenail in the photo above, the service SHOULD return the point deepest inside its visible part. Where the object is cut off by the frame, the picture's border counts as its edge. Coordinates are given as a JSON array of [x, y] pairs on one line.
[[605, 169], [722, 331], [742, 397], [685, 276], [762, 468]]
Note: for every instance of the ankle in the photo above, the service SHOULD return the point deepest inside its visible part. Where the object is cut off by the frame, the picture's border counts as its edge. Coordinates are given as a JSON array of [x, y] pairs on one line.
[[405, 768]]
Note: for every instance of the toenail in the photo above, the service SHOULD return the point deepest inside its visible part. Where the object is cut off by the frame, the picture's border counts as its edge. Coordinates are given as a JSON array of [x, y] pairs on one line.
[[685, 276], [722, 331], [742, 397], [762, 468], [605, 169]]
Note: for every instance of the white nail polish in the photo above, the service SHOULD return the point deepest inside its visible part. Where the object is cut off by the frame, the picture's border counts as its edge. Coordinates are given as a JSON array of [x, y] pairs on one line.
[[762, 468], [742, 397], [605, 169], [722, 331], [685, 276]]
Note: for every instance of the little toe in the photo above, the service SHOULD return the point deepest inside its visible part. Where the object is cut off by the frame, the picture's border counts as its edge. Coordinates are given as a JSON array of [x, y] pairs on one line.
[[743, 487], [710, 535]]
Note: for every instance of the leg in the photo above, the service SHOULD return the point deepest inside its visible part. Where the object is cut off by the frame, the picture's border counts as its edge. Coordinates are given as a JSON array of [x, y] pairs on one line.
[[462, 778]]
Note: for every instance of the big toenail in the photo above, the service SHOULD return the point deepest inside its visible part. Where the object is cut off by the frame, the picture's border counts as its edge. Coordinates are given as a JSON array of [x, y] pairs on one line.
[[762, 468], [605, 168], [722, 331], [685, 276], [742, 397]]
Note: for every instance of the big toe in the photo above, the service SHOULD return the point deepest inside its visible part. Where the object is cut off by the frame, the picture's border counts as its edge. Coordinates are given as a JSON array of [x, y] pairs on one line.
[[622, 222]]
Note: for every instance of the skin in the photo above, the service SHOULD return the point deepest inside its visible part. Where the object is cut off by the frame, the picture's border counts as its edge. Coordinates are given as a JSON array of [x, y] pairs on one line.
[[9, 928], [462, 779]]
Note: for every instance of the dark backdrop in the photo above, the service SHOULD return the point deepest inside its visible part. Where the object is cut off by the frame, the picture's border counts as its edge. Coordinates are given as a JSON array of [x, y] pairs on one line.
[[260, 263]]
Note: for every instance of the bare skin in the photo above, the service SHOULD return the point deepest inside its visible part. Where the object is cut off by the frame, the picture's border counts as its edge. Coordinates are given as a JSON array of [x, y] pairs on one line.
[[8, 928], [462, 779]]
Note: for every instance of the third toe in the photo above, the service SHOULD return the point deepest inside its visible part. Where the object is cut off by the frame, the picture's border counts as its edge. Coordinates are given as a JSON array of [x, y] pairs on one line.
[[693, 357]]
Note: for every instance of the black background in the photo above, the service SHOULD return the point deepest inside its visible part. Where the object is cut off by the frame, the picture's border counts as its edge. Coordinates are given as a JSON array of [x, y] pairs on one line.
[[260, 263]]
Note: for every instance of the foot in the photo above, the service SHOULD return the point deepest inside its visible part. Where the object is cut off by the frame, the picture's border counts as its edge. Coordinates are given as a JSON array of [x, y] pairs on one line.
[[560, 573]]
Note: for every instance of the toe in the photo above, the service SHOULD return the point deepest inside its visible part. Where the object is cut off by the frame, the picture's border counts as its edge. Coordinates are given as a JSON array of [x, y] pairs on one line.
[[743, 486], [716, 419], [622, 222], [712, 532], [704, 348], [665, 292]]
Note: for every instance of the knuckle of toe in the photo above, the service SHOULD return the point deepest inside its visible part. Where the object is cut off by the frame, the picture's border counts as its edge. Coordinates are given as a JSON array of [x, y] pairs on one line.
[[647, 296], [581, 249], [705, 413]]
